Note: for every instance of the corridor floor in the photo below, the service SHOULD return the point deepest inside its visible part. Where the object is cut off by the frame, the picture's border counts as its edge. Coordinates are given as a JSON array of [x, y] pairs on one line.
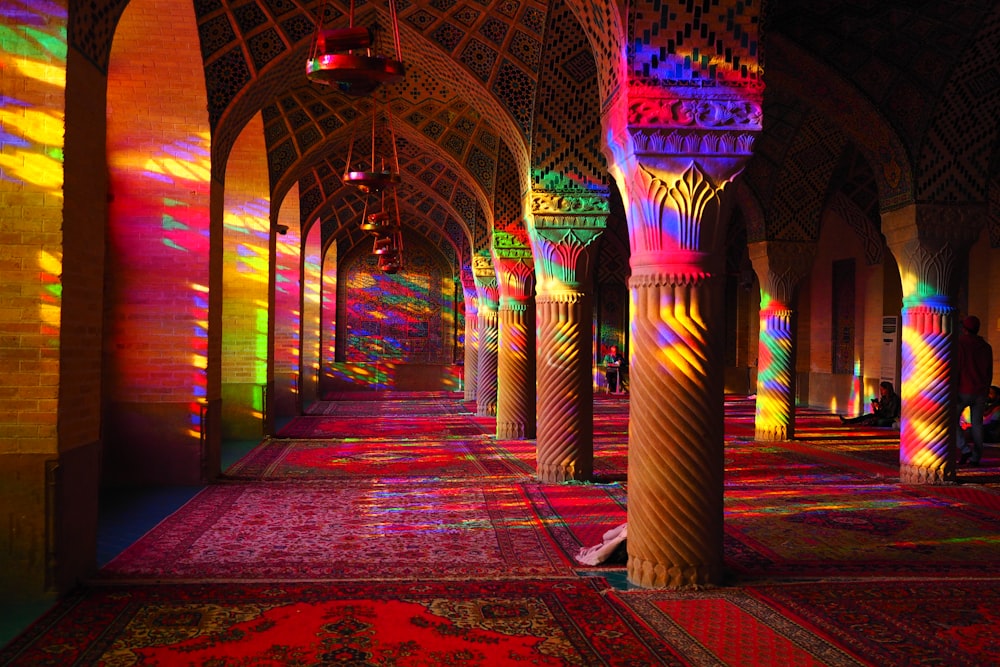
[[402, 532]]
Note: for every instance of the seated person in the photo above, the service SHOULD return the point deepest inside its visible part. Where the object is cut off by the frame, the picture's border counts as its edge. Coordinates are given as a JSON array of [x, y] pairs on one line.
[[885, 409], [991, 424], [612, 369]]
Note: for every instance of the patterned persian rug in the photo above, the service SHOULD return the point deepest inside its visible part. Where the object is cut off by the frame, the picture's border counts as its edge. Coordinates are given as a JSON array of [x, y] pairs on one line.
[[372, 458], [347, 530], [730, 627], [920, 622], [610, 456], [865, 529], [750, 463], [406, 427], [528, 622], [372, 403], [390, 395]]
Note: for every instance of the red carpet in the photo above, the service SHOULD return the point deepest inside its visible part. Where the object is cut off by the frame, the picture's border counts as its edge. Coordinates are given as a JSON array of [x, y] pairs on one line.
[[354, 530], [528, 622], [578, 515], [355, 426], [385, 547], [855, 530], [371, 458], [728, 627], [922, 622]]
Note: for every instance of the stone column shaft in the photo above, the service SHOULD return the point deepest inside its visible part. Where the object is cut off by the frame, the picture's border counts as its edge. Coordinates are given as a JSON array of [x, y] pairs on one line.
[[675, 463], [676, 210], [516, 339], [516, 371], [780, 266], [929, 242], [565, 440], [470, 368], [486, 375], [566, 225]]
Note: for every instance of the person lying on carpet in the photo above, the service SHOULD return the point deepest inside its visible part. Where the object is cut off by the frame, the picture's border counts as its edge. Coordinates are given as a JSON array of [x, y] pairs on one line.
[[885, 409], [991, 425]]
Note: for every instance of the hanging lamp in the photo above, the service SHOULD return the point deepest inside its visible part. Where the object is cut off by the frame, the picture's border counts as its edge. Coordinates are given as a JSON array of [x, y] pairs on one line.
[[350, 59], [382, 170], [385, 227]]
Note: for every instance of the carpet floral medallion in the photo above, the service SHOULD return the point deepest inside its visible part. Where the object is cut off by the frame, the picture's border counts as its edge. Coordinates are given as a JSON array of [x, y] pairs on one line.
[[359, 530], [528, 622]]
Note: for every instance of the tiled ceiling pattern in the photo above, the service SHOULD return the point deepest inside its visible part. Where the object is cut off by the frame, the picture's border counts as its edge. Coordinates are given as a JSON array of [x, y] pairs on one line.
[[566, 142], [883, 47], [473, 69]]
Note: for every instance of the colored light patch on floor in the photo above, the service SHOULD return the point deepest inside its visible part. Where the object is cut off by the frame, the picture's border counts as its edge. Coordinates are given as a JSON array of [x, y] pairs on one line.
[[381, 427], [856, 529], [762, 464]]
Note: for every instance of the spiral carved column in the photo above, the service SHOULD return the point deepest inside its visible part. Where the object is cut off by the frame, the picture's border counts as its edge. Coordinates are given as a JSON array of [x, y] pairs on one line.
[[516, 371], [929, 242], [775, 409], [566, 225], [675, 465], [516, 358], [674, 150], [470, 366], [780, 266], [927, 435], [486, 375], [565, 440]]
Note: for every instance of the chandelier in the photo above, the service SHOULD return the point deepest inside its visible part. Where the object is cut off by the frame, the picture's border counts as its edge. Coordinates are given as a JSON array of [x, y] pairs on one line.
[[350, 58]]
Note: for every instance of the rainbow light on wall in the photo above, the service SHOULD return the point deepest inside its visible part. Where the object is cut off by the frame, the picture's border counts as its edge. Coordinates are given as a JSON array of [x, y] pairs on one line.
[[31, 132]]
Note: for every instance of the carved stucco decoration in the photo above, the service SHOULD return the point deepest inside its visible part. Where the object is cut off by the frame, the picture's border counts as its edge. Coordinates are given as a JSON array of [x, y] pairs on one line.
[[780, 267], [928, 241]]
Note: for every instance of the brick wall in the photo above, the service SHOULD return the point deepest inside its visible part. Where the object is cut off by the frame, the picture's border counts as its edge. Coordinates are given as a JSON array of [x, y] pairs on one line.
[[246, 276]]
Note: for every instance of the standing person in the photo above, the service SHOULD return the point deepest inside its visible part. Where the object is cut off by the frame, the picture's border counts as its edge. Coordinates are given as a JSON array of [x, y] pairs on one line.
[[991, 424], [613, 369], [885, 409], [975, 373]]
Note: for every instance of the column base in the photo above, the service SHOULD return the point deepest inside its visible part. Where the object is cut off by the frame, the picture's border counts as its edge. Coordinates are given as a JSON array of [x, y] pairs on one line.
[[648, 574], [555, 473], [511, 431], [773, 434], [911, 474]]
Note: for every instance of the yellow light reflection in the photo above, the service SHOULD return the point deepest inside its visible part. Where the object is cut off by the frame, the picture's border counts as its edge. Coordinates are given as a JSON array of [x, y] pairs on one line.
[[49, 263], [53, 75], [34, 168]]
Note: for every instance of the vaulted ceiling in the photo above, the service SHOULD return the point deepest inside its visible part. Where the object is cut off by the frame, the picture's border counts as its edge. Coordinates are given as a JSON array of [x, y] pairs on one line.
[[488, 82]]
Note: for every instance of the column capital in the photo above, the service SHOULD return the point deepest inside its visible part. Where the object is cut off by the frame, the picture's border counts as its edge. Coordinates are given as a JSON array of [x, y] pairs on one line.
[[929, 241], [780, 266], [516, 279]]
